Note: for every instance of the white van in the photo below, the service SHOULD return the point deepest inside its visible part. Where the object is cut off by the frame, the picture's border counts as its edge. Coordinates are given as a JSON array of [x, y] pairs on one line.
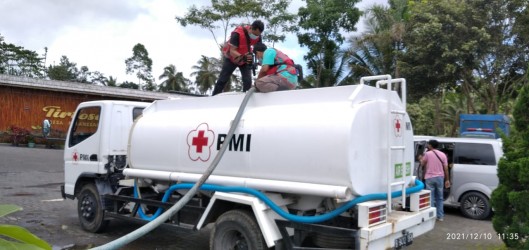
[[473, 164]]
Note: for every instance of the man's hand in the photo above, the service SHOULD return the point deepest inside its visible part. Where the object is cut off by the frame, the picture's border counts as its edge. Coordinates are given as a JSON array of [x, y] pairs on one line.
[[239, 58], [249, 58], [447, 183]]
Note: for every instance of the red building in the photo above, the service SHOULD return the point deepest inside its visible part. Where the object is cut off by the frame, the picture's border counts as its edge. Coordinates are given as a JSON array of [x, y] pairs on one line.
[[26, 102]]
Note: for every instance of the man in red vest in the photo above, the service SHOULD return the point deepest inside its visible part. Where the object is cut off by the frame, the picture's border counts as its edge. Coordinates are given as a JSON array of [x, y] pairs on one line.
[[278, 71], [238, 54]]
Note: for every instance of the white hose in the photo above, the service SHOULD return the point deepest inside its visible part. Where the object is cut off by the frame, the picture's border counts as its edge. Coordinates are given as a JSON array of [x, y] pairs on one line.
[[122, 241]]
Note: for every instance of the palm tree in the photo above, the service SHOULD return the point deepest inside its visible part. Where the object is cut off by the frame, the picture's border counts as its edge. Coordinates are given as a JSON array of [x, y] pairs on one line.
[[377, 50], [111, 82], [174, 80], [206, 73], [331, 72]]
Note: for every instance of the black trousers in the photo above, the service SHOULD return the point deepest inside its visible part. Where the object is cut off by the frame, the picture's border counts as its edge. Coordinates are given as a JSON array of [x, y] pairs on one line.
[[227, 70]]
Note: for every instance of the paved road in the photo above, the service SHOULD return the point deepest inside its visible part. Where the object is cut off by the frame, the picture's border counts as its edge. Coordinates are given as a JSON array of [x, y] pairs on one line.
[[31, 178]]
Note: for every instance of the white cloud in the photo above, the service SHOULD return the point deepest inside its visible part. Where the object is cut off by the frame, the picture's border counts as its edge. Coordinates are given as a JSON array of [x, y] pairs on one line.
[[101, 34]]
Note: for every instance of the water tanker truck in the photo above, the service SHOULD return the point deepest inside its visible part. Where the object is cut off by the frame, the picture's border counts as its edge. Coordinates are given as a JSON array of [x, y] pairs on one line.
[[321, 168]]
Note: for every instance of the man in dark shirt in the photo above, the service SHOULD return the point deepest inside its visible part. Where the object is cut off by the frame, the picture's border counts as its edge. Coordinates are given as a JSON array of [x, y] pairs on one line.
[[237, 54]]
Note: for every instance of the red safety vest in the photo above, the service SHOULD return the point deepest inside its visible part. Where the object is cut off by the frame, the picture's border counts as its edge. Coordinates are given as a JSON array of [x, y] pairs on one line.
[[243, 44], [281, 59]]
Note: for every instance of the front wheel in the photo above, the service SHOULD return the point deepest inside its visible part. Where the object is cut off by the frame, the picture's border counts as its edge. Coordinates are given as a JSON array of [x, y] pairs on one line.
[[475, 205], [89, 209], [236, 229]]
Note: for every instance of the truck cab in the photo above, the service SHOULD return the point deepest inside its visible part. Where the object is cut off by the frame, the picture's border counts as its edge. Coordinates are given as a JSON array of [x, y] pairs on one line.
[[86, 154]]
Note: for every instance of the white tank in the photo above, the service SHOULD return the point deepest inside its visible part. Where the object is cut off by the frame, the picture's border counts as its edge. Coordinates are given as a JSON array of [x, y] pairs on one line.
[[336, 136]]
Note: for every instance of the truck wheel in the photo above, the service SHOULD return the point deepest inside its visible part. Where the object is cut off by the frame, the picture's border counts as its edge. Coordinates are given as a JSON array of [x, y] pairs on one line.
[[475, 205], [89, 209], [236, 229]]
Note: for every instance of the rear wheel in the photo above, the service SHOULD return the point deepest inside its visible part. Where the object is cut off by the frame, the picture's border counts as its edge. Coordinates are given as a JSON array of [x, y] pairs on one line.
[[90, 210], [236, 230], [475, 205]]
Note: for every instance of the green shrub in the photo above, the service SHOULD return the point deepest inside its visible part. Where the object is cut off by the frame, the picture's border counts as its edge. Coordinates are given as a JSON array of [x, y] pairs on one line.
[[510, 199]]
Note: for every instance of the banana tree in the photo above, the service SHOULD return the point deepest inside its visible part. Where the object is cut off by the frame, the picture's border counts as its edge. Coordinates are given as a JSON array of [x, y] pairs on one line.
[[16, 237]]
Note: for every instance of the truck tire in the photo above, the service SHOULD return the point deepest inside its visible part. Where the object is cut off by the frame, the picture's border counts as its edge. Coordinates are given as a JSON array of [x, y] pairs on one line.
[[475, 205], [89, 209], [236, 229]]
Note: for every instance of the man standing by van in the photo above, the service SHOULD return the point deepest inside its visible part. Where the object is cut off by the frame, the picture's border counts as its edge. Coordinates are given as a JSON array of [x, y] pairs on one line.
[[436, 175]]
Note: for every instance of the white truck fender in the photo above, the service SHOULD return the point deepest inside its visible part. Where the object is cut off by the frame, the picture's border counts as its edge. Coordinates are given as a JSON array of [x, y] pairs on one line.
[[264, 215]]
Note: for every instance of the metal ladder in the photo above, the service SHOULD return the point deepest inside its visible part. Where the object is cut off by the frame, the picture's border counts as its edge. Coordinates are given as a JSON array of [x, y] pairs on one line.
[[391, 172], [391, 148], [386, 79]]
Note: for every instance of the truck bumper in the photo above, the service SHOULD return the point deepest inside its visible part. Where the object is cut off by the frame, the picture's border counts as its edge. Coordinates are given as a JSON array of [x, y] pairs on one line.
[[401, 227]]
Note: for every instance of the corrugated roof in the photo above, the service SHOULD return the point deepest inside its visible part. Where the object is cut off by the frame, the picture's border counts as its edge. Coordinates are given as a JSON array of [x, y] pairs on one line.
[[84, 88]]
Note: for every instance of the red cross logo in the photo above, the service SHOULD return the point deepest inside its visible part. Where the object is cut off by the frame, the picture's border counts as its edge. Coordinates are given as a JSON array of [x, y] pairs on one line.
[[398, 132], [200, 141], [75, 157]]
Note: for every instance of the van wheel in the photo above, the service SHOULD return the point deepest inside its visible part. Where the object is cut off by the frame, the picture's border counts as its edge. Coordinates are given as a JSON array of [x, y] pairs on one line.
[[89, 209], [475, 205], [236, 229]]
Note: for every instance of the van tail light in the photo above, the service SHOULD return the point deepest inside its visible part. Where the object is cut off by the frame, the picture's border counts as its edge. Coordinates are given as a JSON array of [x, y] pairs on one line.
[[479, 129], [420, 200], [372, 213]]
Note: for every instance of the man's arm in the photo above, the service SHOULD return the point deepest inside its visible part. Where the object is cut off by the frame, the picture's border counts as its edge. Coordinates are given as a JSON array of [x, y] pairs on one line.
[[262, 72], [447, 173], [447, 176], [268, 60], [234, 45], [422, 159]]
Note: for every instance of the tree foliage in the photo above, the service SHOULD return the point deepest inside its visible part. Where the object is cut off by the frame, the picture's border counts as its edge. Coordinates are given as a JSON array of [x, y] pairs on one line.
[[141, 64], [67, 70], [421, 115], [173, 80], [472, 46], [442, 44], [129, 85], [64, 71], [206, 73], [322, 23], [15, 60], [111, 82], [376, 51], [225, 14], [509, 200]]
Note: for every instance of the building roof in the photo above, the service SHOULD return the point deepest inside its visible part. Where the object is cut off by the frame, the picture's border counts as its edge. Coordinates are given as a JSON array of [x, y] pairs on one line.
[[85, 88]]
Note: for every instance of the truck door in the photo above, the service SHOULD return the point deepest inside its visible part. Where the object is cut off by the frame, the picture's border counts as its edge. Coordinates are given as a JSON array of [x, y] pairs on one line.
[[81, 152]]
